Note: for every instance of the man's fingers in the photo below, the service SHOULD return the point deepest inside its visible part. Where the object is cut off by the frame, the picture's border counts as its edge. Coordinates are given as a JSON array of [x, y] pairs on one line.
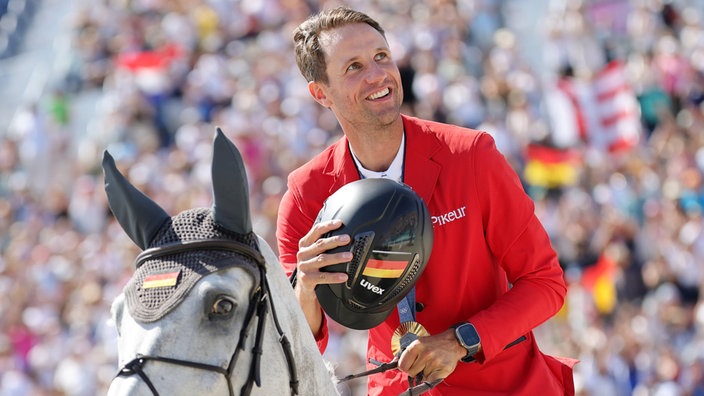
[[408, 361], [312, 256], [427, 355], [313, 244], [331, 277], [309, 270], [317, 231], [435, 375]]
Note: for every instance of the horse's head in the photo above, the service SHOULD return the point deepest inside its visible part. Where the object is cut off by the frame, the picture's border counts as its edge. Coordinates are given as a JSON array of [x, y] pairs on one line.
[[192, 318]]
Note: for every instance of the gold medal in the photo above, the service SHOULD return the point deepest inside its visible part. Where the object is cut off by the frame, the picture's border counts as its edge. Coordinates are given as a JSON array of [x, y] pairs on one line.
[[406, 333]]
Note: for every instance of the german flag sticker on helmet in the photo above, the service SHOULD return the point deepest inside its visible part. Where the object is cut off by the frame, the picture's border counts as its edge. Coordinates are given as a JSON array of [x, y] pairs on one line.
[[385, 268]]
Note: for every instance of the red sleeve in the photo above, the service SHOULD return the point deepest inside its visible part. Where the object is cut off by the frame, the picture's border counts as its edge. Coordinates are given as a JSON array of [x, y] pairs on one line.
[[292, 224], [322, 339], [523, 249]]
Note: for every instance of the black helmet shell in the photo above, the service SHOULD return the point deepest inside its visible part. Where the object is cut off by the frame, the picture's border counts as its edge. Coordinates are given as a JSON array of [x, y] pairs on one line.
[[391, 240]]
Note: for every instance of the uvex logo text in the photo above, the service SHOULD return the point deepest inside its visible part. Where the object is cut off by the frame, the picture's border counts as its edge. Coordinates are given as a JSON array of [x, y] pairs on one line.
[[369, 286], [449, 216]]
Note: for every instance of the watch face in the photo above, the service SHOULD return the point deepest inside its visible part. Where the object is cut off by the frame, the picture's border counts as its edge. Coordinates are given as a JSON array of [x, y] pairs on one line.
[[468, 335]]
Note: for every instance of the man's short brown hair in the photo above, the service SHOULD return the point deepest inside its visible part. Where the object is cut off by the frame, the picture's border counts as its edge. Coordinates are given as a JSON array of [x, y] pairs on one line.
[[310, 57]]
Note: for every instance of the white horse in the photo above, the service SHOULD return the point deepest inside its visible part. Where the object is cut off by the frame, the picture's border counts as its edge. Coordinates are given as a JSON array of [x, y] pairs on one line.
[[209, 310]]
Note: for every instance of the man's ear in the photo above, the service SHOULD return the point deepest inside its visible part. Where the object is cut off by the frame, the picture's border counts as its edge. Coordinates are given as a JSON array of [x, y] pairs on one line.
[[317, 92]]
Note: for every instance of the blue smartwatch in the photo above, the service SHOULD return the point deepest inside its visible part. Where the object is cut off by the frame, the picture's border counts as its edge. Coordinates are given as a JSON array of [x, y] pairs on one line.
[[469, 338]]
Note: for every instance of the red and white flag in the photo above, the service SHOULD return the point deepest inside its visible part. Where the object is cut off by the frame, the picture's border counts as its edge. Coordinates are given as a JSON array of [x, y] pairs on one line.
[[150, 67], [602, 113], [618, 112]]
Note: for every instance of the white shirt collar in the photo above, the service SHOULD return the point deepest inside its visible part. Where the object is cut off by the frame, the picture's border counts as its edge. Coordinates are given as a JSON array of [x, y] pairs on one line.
[[395, 171]]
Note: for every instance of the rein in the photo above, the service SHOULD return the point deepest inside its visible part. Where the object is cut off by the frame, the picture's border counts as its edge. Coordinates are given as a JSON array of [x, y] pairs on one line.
[[416, 386], [260, 303]]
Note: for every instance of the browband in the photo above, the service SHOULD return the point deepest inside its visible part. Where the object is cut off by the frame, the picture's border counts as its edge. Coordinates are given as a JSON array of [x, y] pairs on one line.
[[206, 244]]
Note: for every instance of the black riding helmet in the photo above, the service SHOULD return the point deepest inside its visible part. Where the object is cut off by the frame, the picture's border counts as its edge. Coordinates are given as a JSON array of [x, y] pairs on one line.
[[391, 240]]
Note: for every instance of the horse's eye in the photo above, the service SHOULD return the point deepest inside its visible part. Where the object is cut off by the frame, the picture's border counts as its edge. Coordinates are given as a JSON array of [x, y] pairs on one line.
[[222, 306]]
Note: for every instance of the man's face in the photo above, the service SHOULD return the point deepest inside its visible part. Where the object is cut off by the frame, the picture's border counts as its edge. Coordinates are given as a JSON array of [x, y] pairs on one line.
[[364, 82]]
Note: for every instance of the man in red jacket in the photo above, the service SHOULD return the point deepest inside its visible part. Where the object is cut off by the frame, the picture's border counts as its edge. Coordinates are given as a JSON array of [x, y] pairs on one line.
[[492, 276]]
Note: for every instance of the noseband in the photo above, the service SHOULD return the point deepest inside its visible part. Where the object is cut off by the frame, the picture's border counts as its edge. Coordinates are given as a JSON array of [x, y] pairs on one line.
[[259, 305]]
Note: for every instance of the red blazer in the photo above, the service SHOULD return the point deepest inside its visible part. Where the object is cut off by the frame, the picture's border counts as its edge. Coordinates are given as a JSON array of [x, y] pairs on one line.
[[492, 263]]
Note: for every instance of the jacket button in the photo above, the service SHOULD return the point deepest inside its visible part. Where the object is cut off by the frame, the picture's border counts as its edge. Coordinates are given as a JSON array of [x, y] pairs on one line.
[[419, 307]]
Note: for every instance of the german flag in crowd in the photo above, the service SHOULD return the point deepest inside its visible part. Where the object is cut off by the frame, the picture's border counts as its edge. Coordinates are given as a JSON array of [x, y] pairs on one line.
[[551, 167]]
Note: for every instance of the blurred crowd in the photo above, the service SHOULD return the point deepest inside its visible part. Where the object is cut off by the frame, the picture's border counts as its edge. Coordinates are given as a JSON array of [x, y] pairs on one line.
[[629, 230], [15, 16]]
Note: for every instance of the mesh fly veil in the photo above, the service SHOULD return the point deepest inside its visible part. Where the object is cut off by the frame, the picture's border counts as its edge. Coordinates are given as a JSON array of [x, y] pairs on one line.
[[180, 250], [161, 283]]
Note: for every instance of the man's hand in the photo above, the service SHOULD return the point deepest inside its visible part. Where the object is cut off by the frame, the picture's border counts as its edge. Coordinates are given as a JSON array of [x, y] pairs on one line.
[[311, 258], [435, 356]]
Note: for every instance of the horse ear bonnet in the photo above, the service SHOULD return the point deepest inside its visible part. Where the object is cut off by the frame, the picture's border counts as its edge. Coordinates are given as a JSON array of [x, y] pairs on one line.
[[180, 250], [392, 237]]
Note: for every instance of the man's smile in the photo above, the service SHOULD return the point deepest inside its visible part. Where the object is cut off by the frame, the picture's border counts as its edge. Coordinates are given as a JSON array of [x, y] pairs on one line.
[[379, 94]]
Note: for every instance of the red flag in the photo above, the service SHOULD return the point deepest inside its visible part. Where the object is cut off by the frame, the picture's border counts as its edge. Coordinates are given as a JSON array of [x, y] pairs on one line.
[[157, 59]]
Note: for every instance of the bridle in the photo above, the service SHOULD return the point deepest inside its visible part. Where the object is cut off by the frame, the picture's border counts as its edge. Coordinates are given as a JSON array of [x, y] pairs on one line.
[[259, 305]]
